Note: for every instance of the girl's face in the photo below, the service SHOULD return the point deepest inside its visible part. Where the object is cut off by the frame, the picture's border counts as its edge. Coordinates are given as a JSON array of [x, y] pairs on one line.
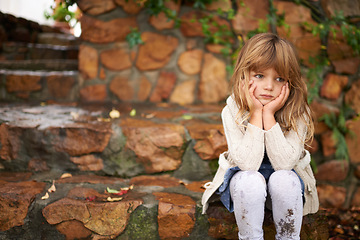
[[268, 84]]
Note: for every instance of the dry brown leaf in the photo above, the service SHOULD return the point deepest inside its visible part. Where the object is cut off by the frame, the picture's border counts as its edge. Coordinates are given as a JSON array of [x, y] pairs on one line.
[[66, 175], [52, 188], [46, 196], [110, 199]]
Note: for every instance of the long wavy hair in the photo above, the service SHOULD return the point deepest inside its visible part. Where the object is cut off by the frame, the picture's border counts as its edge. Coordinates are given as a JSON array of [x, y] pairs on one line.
[[267, 50]]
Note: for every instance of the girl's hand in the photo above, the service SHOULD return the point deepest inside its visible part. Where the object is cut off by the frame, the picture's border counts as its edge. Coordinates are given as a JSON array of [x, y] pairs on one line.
[[276, 104], [256, 103]]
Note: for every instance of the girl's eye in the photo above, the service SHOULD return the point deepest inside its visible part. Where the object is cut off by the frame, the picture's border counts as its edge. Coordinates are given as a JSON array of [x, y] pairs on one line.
[[259, 75], [279, 79]]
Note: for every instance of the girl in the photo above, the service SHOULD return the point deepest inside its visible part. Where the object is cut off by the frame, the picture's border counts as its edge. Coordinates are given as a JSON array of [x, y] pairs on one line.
[[267, 121]]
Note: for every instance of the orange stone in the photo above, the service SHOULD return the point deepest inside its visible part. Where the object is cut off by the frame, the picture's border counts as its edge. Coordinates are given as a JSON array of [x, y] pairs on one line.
[[176, 215], [131, 7], [164, 87], [60, 86], [224, 5], [23, 83], [165, 181], [337, 48], [144, 89], [210, 140], [196, 186], [353, 141], [156, 52], [116, 59], [190, 61], [97, 31], [184, 93], [331, 196], [92, 179], [10, 139], [93, 93], [73, 229], [88, 163], [347, 66], [248, 16], [88, 61], [356, 199], [96, 7], [328, 143], [333, 86], [161, 145], [352, 97], [121, 88], [334, 171], [161, 21], [213, 85]]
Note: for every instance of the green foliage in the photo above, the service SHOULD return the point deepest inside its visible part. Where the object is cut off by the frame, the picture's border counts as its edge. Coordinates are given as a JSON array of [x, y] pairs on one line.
[[315, 75], [337, 124], [134, 38], [61, 13]]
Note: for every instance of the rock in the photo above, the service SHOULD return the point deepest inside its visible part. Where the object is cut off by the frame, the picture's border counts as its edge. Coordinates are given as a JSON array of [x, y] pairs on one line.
[[348, 7], [121, 88], [357, 172], [191, 27], [347, 66], [331, 196], [356, 199], [334, 171], [224, 5], [144, 88], [131, 7], [15, 199], [222, 222], [60, 86], [92, 179], [215, 48], [88, 163], [10, 141], [15, 176], [328, 143], [88, 61], [333, 85], [103, 218], [23, 83], [176, 215], [96, 7], [184, 93], [81, 138], [213, 85], [156, 51], [210, 140], [165, 181], [73, 229], [93, 93], [38, 165], [352, 97], [161, 145], [247, 17], [96, 31], [197, 186], [161, 21], [164, 87], [337, 47], [190, 61], [116, 59], [353, 141]]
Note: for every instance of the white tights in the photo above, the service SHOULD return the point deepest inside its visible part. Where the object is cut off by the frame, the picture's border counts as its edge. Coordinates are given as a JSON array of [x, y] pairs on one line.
[[248, 191]]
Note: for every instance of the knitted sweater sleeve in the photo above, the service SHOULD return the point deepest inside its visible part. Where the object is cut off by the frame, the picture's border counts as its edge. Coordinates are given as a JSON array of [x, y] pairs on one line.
[[245, 144], [284, 151]]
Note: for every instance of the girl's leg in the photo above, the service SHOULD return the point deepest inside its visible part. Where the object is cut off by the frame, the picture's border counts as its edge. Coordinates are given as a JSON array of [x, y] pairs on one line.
[[287, 206], [248, 193]]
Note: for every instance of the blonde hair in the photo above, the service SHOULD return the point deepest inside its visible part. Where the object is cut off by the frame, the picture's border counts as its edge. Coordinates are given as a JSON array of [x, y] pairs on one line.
[[267, 50]]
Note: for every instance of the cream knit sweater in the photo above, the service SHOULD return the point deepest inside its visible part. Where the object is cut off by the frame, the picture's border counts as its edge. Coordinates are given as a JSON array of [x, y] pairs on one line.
[[246, 147]]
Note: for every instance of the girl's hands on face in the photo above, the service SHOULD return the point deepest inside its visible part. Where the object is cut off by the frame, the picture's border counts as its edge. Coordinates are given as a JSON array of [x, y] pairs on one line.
[[276, 104], [257, 104]]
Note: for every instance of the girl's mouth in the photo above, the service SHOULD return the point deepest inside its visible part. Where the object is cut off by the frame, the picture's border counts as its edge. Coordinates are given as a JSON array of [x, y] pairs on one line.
[[266, 96]]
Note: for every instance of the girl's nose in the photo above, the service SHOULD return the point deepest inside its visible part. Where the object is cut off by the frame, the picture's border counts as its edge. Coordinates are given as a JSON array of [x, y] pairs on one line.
[[269, 84]]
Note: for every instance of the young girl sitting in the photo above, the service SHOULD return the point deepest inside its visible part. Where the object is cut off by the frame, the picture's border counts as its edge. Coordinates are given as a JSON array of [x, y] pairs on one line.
[[267, 121]]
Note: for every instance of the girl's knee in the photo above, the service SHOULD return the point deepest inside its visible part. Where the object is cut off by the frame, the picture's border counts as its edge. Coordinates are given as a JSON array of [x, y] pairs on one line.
[[250, 183], [284, 181]]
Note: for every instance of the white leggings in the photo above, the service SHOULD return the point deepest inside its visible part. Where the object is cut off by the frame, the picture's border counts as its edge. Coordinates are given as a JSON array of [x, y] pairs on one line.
[[248, 191]]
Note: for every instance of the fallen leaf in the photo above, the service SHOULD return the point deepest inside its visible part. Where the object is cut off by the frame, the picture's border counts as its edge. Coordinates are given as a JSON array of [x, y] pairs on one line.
[[66, 175], [109, 190], [74, 115], [187, 117], [150, 115], [114, 114], [133, 112], [103, 119], [52, 188], [46, 196], [110, 199]]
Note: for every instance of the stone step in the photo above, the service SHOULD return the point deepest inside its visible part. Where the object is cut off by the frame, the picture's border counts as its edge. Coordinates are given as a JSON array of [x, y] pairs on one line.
[[29, 51], [60, 39], [48, 206], [40, 65]]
